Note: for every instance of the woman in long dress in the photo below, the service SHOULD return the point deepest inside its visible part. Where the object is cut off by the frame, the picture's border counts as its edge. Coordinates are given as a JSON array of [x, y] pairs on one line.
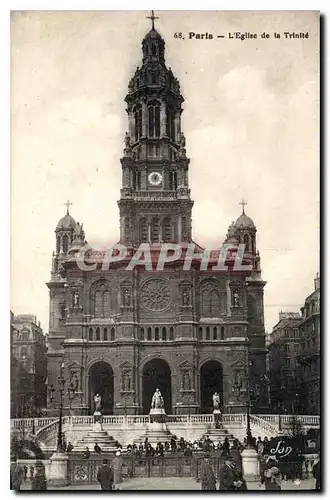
[[118, 469]]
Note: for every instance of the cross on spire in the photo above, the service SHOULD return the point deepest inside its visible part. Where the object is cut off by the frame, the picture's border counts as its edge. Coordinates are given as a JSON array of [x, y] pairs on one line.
[[68, 203], [152, 17], [243, 203]]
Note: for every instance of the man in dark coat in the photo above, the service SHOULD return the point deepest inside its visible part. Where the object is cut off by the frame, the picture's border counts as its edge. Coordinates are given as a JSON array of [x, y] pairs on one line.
[[97, 449], [228, 475], [105, 476], [225, 447], [16, 475], [234, 452], [39, 482], [208, 479], [316, 475]]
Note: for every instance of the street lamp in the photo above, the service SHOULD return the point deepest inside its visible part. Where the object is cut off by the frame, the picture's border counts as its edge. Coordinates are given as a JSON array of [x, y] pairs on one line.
[[71, 393]]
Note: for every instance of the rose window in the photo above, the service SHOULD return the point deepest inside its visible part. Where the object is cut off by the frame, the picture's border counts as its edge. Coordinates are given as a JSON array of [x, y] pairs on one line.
[[156, 295]]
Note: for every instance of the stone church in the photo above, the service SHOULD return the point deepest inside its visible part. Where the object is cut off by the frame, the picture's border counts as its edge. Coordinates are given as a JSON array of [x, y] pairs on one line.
[[123, 333]]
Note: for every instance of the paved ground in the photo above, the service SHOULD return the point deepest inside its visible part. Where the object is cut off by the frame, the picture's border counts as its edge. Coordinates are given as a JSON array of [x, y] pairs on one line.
[[176, 483]]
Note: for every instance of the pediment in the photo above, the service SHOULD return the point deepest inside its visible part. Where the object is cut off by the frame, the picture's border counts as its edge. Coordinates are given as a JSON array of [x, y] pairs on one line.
[[125, 365], [185, 365]]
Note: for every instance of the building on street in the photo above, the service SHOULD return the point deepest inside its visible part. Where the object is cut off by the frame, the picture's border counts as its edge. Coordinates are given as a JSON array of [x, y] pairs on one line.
[[28, 366], [123, 332]]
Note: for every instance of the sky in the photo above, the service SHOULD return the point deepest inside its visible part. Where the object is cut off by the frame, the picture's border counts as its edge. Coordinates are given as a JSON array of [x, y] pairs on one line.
[[251, 121]]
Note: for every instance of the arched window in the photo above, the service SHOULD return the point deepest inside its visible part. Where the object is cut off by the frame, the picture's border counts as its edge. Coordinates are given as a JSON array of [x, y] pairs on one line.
[[170, 123], [173, 181], [155, 230], [138, 121], [215, 333], [200, 333], [98, 334], [154, 119], [247, 242], [222, 333], [141, 333], [156, 333], [90, 334], [112, 334], [164, 337], [147, 50], [102, 302], [207, 337], [214, 303], [137, 180], [184, 228], [153, 49], [143, 230], [167, 230], [58, 244], [65, 243], [149, 334], [171, 333]]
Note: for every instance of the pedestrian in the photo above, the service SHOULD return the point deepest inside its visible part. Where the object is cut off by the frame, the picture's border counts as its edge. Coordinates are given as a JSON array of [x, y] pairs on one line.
[[208, 479], [316, 474], [25, 469], [267, 463], [86, 453], [97, 449], [118, 469], [225, 447], [31, 472], [266, 446], [39, 482], [228, 475], [16, 474], [105, 476], [69, 447], [273, 482], [234, 452]]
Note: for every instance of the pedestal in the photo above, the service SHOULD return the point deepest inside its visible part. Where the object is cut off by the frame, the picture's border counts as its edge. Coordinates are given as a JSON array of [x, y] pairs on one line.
[[97, 417], [157, 415], [58, 469], [250, 464]]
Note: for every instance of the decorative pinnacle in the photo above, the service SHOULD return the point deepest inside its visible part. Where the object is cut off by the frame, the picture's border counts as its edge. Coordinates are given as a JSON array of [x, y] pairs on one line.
[[152, 17], [243, 203]]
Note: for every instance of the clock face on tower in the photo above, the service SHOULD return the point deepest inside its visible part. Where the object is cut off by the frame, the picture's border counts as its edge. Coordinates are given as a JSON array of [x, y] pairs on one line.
[[155, 178]]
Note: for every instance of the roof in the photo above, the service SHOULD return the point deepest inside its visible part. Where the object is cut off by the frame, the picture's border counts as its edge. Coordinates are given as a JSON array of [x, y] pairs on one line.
[[67, 222], [244, 221], [153, 34]]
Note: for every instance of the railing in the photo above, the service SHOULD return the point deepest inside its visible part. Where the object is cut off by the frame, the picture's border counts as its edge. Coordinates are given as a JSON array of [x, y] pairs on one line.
[[28, 423], [287, 419], [266, 426]]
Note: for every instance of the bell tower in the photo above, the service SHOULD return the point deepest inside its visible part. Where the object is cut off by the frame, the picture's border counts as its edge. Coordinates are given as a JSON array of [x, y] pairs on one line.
[[155, 204]]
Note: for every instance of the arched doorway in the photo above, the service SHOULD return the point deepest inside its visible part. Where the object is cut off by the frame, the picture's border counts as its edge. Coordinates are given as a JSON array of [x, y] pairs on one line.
[[101, 382], [211, 381], [156, 375]]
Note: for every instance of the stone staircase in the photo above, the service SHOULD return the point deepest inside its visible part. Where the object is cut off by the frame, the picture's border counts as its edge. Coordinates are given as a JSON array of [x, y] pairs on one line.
[[96, 435], [155, 432], [218, 435]]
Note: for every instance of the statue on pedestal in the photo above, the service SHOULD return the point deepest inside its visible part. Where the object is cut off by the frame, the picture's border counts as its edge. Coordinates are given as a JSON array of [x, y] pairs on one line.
[[157, 401], [216, 401], [97, 402]]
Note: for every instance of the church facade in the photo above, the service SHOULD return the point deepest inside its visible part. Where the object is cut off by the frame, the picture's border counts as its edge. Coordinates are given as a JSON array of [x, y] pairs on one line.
[[123, 331]]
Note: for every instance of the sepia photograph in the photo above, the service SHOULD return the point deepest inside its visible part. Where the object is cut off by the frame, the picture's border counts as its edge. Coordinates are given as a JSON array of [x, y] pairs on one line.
[[165, 250]]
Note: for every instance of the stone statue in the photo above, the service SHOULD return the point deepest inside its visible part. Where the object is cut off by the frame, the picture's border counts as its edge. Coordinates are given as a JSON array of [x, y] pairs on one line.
[[157, 400], [236, 298], [231, 231], [76, 299], [127, 297], [74, 381], [216, 401], [182, 141], [97, 402], [126, 381], [127, 140], [186, 381], [185, 297]]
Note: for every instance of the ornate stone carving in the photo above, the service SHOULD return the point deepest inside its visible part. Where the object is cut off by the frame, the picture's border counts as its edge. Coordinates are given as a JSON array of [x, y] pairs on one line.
[[186, 297], [156, 295]]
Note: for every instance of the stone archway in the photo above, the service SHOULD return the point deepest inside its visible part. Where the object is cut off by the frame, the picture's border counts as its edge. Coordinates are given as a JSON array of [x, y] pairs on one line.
[[101, 382], [156, 375], [211, 381]]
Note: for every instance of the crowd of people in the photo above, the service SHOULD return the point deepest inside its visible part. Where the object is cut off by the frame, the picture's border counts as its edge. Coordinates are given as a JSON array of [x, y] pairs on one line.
[[272, 470]]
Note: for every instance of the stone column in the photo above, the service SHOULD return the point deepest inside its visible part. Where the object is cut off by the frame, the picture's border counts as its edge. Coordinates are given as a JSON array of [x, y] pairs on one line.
[[149, 230], [144, 119], [250, 464], [162, 120], [180, 228], [58, 469]]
